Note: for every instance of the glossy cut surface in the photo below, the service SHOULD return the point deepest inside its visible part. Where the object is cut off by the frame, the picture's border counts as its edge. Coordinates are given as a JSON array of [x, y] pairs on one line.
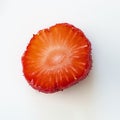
[[57, 58]]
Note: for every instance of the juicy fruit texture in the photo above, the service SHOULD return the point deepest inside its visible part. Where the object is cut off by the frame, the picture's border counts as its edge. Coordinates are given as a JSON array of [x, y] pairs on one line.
[[57, 58]]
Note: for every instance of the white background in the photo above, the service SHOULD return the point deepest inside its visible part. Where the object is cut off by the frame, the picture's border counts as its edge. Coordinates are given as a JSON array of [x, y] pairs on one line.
[[95, 98]]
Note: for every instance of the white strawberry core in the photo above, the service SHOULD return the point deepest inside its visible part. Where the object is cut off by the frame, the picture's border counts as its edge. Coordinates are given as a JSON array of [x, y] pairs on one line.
[[56, 57]]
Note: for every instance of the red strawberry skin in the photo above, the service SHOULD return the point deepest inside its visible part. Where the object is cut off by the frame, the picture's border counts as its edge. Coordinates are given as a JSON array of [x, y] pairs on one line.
[[56, 58]]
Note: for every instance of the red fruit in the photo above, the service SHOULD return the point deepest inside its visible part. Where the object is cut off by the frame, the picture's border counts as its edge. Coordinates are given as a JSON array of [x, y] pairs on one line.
[[57, 58]]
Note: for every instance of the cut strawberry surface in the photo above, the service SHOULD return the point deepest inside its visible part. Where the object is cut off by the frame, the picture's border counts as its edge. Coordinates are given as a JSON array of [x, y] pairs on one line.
[[57, 58]]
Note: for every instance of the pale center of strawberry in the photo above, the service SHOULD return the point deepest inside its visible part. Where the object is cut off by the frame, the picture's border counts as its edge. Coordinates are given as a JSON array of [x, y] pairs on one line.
[[56, 57]]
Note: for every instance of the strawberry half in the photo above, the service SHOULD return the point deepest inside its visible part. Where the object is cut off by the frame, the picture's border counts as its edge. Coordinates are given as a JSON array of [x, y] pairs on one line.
[[57, 58]]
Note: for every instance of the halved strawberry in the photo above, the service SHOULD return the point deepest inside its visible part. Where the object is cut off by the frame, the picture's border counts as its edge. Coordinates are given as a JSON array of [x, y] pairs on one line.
[[57, 58]]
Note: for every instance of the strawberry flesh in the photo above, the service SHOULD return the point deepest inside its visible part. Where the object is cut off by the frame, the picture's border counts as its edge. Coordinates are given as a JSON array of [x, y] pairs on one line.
[[57, 58]]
